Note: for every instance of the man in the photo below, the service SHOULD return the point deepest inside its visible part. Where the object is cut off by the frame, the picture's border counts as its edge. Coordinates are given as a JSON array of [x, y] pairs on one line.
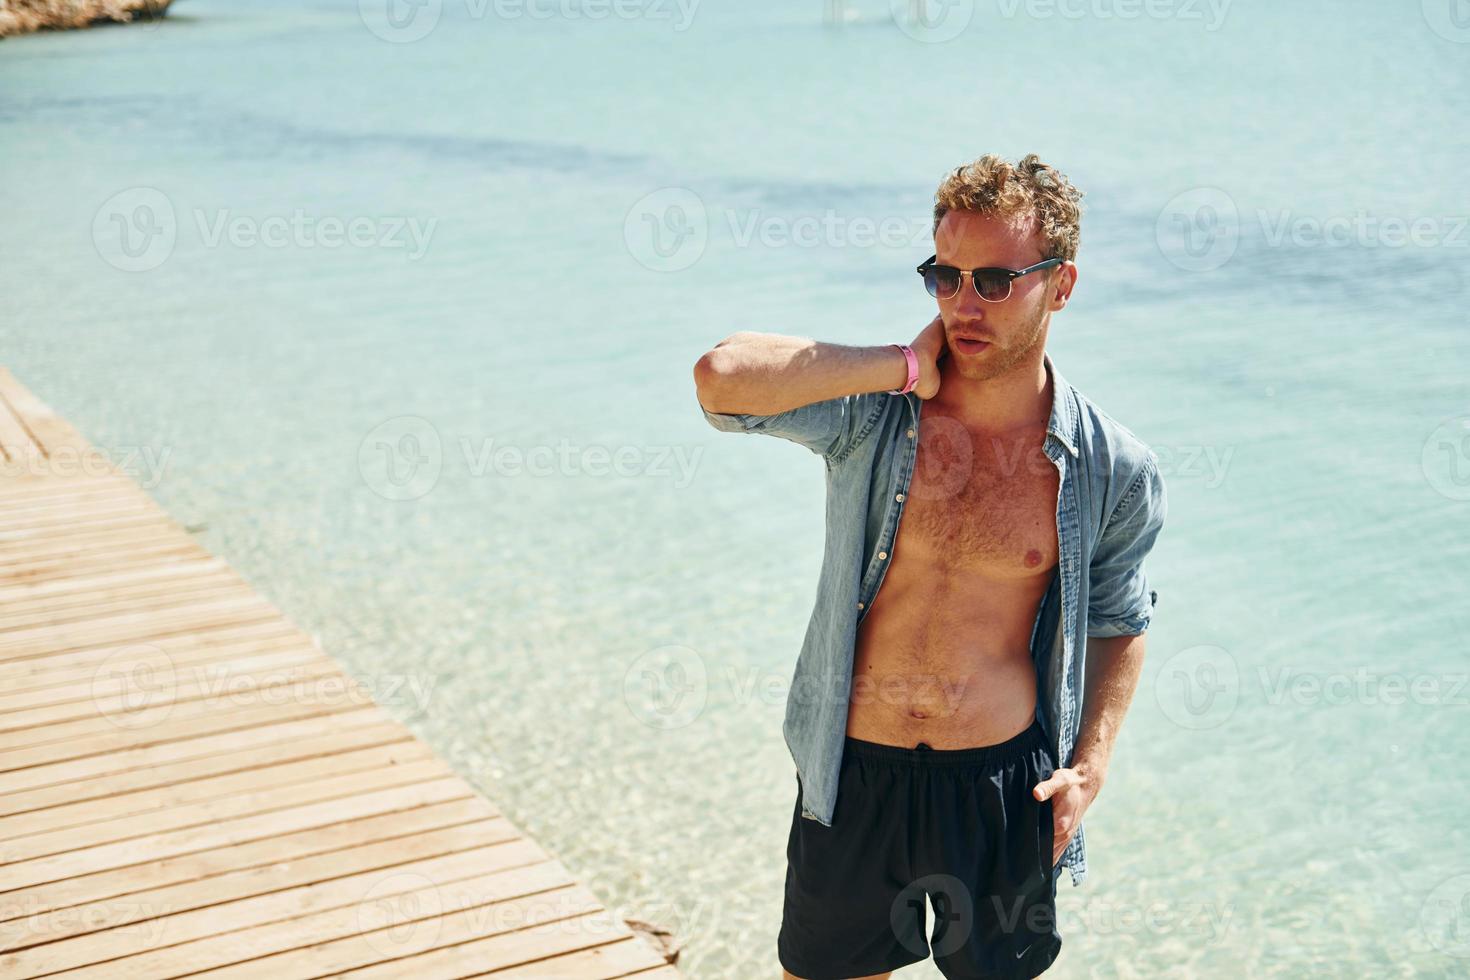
[[935, 722]]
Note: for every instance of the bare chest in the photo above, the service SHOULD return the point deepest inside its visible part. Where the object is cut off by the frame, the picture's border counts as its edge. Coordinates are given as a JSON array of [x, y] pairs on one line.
[[980, 503]]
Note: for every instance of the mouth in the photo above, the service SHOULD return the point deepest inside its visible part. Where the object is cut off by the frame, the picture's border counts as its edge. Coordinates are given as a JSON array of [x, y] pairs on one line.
[[969, 345]]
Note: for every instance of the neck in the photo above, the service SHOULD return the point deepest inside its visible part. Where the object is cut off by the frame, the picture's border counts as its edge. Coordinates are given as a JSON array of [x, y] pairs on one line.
[[1020, 397]]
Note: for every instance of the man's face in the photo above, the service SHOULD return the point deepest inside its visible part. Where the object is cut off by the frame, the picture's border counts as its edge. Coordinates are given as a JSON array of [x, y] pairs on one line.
[[1016, 327]]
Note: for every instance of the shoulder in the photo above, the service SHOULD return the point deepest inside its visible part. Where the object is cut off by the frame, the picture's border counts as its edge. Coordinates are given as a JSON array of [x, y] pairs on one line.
[[1122, 464], [1110, 441]]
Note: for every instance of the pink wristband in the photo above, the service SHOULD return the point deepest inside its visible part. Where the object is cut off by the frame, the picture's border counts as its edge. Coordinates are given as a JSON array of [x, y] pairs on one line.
[[913, 363]]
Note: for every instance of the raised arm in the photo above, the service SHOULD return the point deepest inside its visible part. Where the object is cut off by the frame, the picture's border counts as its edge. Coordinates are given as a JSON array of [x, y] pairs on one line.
[[752, 373]]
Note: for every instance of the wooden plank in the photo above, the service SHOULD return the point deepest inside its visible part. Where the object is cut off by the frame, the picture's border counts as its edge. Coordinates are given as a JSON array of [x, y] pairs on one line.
[[168, 944], [51, 510], [149, 704], [189, 785], [427, 920], [60, 573], [133, 627], [222, 586], [316, 771], [124, 689], [89, 580], [247, 804], [186, 722], [199, 876], [97, 544], [67, 593], [94, 681], [16, 540], [306, 873], [53, 485], [25, 495], [47, 668], [629, 957], [72, 594], [127, 781], [48, 428], [112, 915], [16, 441], [664, 972], [74, 564], [136, 850], [129, 756]]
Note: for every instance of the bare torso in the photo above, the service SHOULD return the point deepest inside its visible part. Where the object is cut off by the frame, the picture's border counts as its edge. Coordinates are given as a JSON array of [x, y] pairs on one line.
[[943, 653]]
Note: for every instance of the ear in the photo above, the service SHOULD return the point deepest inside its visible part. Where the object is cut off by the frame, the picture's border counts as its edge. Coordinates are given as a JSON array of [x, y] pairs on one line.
[[1066, 280]]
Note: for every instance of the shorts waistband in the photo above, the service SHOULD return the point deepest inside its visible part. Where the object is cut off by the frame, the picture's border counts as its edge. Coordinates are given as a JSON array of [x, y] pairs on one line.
[[1034, 736]]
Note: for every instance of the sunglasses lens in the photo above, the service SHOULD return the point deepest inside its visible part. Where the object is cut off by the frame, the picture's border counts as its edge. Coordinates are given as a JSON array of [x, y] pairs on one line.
[[993, 286], [942, 282]]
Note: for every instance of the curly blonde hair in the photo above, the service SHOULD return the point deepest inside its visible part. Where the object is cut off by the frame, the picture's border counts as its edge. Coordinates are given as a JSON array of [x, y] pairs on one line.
[[991, 185]]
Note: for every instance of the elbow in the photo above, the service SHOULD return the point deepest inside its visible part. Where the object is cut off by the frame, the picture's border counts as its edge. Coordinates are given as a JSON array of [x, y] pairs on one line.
[[706, 378], [714, 371]]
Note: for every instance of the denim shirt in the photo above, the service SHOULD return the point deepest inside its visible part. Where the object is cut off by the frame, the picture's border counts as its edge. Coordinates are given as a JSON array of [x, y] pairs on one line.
[[1110, 507]]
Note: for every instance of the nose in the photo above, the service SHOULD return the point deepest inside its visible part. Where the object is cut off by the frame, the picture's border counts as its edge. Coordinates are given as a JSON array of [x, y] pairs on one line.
[[967, 303]]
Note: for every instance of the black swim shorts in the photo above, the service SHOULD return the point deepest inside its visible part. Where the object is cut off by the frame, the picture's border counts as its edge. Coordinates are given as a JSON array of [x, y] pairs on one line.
[[959, 826]]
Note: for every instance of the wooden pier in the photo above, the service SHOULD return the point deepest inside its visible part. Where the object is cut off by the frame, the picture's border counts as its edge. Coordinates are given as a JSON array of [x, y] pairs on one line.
[[151, 826]]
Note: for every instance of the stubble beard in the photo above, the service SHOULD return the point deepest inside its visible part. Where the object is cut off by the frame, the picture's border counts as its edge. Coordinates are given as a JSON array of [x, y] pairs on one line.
[[999, 360]]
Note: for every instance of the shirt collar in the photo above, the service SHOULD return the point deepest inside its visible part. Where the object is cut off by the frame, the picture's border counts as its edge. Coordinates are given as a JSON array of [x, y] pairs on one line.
[[1062, 422]]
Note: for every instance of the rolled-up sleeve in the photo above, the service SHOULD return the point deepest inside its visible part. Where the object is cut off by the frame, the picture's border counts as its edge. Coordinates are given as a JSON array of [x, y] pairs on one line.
[[1120, 601], [828, 428]]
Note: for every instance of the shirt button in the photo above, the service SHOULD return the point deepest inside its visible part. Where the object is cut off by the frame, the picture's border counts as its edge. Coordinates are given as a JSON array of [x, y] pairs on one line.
[[882, 555], [911, 433], [860, 605], [899, 498]]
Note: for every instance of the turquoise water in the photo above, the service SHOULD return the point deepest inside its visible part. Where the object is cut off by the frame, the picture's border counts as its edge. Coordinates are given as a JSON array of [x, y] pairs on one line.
[[1288, 796]]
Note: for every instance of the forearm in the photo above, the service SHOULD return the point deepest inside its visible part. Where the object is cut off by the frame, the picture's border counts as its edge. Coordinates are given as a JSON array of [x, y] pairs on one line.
[[763, 373], [1113, 668]]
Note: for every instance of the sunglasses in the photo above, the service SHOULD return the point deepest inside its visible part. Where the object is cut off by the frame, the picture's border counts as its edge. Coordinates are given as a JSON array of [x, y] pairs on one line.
[[991, 285]]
